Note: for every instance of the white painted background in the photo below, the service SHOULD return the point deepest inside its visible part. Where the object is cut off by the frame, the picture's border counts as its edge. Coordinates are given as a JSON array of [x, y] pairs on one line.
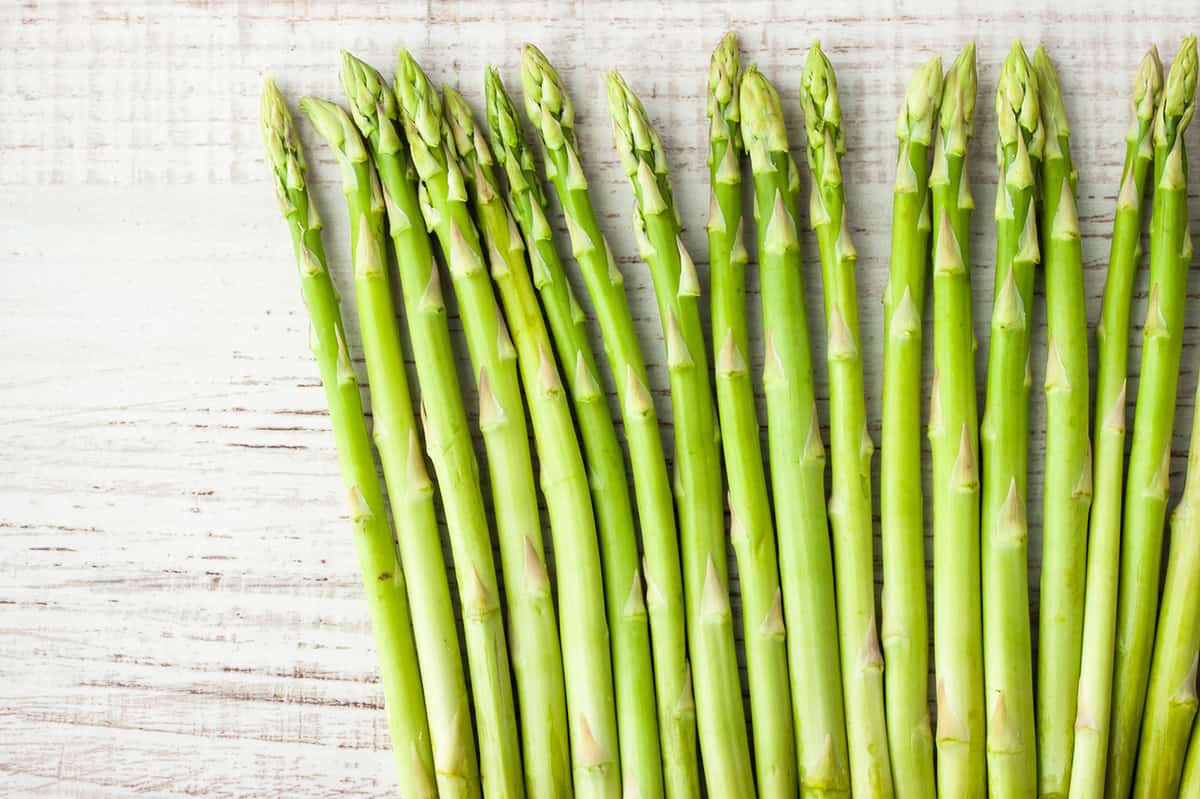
[[179, 603]]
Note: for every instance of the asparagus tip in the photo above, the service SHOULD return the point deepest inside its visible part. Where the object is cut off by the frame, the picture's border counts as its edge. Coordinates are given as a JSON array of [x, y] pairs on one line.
[[1050, 96], [762, 112], [1148, 84], [1180, 96], [919, 109]]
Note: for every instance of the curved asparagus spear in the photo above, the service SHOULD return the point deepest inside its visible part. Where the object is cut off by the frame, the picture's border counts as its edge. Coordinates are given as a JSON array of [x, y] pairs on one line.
[[583, 626], [443, 200], [1067, 474], [794, 435], [905, 624], [552, 114], [749, 505], [953, 436], [850, 443], [1171, 698], [1104, 536], [1004, 434], [637, 721], [383, 582], [1148, 479], [725, 749]]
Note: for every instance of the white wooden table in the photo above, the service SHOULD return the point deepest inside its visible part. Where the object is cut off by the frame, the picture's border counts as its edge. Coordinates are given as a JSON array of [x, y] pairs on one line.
[[179, 603]]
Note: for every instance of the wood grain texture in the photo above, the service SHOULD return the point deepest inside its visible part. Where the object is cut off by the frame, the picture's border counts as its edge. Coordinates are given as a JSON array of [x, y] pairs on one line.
[[179, 604]]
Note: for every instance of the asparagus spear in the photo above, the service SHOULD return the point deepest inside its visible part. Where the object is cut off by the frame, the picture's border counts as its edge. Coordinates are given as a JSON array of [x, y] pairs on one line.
[[850, 443], [1148, 479], [953, 426], [905, 625], [550, 109], [1004, 434], [794, 436], [1067, 474], [637, 721], [1189, 786], [583, 625], [534, 638], [749, 506], [1104, 536], [1171, 697], [723, 743], [383, 581]]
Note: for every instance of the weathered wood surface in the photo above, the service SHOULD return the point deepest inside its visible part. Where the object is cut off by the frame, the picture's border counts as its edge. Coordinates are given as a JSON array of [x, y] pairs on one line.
[[179, 603]]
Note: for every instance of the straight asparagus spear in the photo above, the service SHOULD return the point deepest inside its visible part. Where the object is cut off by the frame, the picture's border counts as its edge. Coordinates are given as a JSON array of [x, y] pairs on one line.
[[550, 110], [953, 436], [1067, 473], [1008, 664], [637, 721], [1147, 485], [723, 742], [752, 533], [536, 659], [383, 581], [850, 443], [1171, 698], [905, 623], [794, 436], [1104, 536], [583, 626]]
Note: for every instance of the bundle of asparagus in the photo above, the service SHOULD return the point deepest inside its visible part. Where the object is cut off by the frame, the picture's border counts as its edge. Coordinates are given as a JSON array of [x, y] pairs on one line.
[[590, 689]]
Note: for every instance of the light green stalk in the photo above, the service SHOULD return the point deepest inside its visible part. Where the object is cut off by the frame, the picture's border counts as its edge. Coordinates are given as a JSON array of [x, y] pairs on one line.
[[794, 436], [536, 659], [383, 581], [1004, 434], [953, 437], [850, 443], [400, 451], [905, 623], [1148, 479], [549, 108], [444, 206], [752, 533], [1171, 698], [583, 626], [723, 742], [1067, 473], [1104, 536], [637, 721], [1189, 787]]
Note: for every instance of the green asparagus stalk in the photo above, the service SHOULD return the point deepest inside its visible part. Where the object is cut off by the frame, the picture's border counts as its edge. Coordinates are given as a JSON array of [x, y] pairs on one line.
[[1067, 474], [1189, 787], [753, 534], [637, 721], [1008, 663], [383, 581], [953, 426], [794, 433], [536, 659], [723, 742], [850, 443], [399, 446], [905, 624], [550, 110], [1148, 479], [583, 624], [1171, 698], [444, 205], [1104, 536]]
